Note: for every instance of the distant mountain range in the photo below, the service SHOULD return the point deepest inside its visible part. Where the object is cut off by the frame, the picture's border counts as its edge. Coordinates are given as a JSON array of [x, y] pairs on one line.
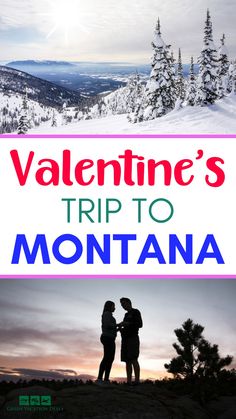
[[88, 79], [40, 64], [82, 66], [13, 81]]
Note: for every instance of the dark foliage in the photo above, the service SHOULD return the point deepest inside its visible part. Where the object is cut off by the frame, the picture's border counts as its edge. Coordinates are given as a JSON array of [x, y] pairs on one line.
[[197, 358]]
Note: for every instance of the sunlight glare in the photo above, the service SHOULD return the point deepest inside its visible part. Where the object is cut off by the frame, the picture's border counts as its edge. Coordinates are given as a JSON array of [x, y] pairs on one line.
[[65, 16], [66, 13]]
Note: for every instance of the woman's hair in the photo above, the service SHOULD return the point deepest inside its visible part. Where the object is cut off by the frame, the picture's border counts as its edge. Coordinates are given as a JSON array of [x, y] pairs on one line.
[[108, 306]]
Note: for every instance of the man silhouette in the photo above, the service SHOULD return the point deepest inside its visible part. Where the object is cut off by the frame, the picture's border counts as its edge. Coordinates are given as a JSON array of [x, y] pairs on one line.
[[129, 329]]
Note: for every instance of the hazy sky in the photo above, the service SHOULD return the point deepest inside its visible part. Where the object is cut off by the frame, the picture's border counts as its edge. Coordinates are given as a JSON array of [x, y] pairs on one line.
[[55, 325], [108, 30]]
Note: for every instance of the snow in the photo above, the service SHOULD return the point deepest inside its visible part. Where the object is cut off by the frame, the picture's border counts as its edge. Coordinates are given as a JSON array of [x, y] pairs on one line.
[[219, 118], [158, 41], [223, 50], [15, 101], [11, 106]]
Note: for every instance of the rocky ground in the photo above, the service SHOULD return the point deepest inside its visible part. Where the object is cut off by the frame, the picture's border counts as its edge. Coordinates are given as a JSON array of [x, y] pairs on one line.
[[146, 401]]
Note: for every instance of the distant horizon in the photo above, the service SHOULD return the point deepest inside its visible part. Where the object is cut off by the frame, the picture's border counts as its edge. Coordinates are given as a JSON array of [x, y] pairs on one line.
[[125, 63], [14, 375], [75, 62]]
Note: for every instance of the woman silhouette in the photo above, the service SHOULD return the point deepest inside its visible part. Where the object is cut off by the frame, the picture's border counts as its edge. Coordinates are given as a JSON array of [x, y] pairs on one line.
[[108, 337]]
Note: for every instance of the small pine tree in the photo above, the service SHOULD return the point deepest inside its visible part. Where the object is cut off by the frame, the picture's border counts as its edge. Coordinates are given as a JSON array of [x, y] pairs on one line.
[[134, 90], [196, 357], [25, 102], [160, 97], [223, 58], [101, 108], [179, 83], [135, 100], [232, 78], [223, 69], [54, 120], [64, 114], [172, 60], [206, 84], [191, 88], [23, 125]]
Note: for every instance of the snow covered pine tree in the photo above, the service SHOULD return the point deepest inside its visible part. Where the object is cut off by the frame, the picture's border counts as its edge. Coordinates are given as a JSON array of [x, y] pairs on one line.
[[208, 62], [160, 89], [232, 78], [54, 120], [191, 88], [23, 125], [180, 83], [223, 69], [135, 99]]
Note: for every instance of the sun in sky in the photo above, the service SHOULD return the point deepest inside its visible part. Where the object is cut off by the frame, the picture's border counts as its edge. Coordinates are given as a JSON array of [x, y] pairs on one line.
[[65, 17]]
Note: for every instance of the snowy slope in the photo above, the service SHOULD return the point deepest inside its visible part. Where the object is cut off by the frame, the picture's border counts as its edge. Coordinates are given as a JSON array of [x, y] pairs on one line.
[[14, 102], [10, 112], [48, 94], [216, 119]]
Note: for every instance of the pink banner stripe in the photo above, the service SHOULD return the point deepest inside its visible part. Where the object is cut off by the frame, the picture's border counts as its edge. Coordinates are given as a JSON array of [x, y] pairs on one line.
[[106, 136], [118, 277]]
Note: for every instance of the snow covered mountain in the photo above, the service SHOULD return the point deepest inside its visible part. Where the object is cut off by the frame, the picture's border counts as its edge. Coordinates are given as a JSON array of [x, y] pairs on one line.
[[15, 82]]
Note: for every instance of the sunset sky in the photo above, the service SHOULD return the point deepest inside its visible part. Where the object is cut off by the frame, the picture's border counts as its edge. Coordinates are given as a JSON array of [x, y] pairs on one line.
[[55, 325], [102, 30]]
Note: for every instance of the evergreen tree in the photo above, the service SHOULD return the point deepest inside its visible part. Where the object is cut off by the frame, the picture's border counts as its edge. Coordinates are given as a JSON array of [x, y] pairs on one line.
[[172, 60], [23, 125], [206, 85], [210, 362], [196, 357], [223, 58], [191, 88], [179, 84], [101, 108], [54, 120], [25, 102], [64, 114], [135, 100], [134, 91], [232, 78], [160, 97], [223, 69]]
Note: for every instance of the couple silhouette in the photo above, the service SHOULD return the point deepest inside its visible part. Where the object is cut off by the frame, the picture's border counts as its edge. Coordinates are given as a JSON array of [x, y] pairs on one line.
[[129, 329]]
